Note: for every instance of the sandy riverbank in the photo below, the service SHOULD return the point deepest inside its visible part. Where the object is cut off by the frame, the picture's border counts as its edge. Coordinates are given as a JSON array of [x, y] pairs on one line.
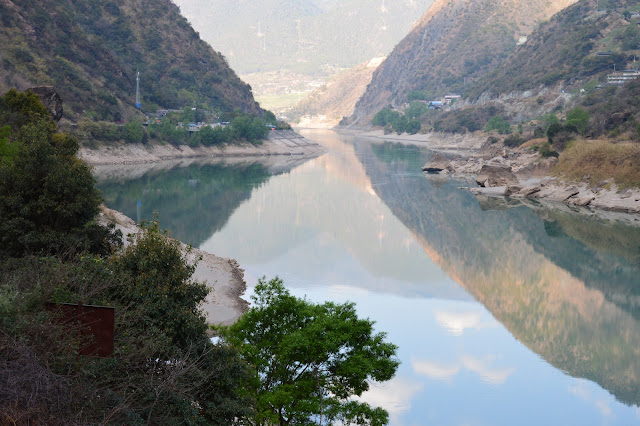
[[279, 143], [224, 277]]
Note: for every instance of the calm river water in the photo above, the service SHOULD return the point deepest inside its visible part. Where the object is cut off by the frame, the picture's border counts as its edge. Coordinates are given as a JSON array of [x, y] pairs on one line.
[[504, 313]]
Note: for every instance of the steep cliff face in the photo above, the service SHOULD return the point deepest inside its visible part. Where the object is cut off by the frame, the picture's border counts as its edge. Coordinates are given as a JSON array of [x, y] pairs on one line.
[[91, 50], [455, 43]]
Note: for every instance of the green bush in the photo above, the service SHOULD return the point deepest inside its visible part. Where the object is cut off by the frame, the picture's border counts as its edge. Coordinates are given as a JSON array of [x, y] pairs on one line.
[[513, 140], [546, 151], [498, 124], [578, 117], [415, 110], [413, 127], [48, 200]]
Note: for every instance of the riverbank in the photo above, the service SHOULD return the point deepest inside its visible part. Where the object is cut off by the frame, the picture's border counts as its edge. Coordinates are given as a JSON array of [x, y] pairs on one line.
[[524, 174], [224, 277], [280, 142], [505, 172], [448, 142]]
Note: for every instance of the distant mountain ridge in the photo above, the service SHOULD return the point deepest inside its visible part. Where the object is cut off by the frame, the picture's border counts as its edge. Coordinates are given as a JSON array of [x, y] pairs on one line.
[[454, 44], [91, 50], [302, 35]]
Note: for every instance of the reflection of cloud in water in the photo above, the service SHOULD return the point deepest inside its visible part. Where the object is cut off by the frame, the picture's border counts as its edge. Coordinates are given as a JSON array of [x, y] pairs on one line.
[[582, 391], [435, 371], [457, 322], [482, 367], [394, 396], [446, 372]]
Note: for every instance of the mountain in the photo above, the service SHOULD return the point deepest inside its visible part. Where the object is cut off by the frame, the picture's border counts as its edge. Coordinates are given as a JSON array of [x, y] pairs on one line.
[[91, 50], [584, 42], [455, 43], [302, 35], [327, 105]]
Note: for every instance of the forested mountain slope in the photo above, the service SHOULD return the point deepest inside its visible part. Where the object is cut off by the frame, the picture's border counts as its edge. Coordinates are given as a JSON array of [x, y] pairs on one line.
[[90, 50], [455, 43]]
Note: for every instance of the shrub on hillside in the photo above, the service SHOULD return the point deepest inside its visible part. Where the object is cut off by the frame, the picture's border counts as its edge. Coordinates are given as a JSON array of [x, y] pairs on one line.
[[513, 140]]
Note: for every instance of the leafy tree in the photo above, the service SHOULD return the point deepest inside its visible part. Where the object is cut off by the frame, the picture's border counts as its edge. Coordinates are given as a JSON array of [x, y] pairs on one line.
[[270, 117], [253, 130], [578, 117], [413, 127], [385, 116], [134, 132], [498, 124], [548, 120], [310, 359], [415, 110], [400, 125]]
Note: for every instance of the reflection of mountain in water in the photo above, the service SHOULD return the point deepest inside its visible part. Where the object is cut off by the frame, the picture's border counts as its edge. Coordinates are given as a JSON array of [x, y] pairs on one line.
[[564, 285], [192, 202], [325, 213]]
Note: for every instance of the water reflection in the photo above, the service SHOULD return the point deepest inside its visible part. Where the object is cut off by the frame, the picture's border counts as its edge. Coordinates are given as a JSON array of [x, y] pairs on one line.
[[506, 312], [564, 282], [193, 198]]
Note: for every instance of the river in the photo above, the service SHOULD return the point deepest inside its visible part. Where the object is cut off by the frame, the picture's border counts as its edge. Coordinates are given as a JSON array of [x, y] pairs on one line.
[[505, 312]]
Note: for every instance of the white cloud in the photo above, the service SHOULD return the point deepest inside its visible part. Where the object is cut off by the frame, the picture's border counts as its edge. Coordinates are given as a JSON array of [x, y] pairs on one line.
[[457, 322], [482, 367], [488, 374], [435, 371], [394, 396]]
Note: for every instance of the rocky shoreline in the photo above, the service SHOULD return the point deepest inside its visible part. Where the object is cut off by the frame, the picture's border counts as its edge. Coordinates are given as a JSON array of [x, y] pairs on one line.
[[504, 172], [280, 142], [224, 277]]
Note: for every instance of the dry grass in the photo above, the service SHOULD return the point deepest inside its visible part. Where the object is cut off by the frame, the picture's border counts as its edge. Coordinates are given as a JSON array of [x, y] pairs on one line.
[[533, 142], [600, 160]]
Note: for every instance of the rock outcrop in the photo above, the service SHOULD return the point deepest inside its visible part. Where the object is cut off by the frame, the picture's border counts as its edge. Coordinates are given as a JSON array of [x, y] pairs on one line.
[[436, 163], [496, 175], [51, 99]]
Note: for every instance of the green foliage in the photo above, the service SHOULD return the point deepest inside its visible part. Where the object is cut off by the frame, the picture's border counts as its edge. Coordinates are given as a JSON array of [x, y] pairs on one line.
[[413, 127], [17, 109], [7, 148], [578, 117], [154, 376], [548, 120], [394, 121], [400, 125], [418, 95], [310, 359], [513, 140], [415, 110], [498, 124], [546, 151], [161, 283], [465, 120], [269, 117], [134, 132], [385, 116], [253, 130], [91, 51]]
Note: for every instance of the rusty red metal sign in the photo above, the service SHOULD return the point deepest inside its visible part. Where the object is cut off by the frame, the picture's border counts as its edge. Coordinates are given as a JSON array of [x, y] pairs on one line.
[[95, 322]]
